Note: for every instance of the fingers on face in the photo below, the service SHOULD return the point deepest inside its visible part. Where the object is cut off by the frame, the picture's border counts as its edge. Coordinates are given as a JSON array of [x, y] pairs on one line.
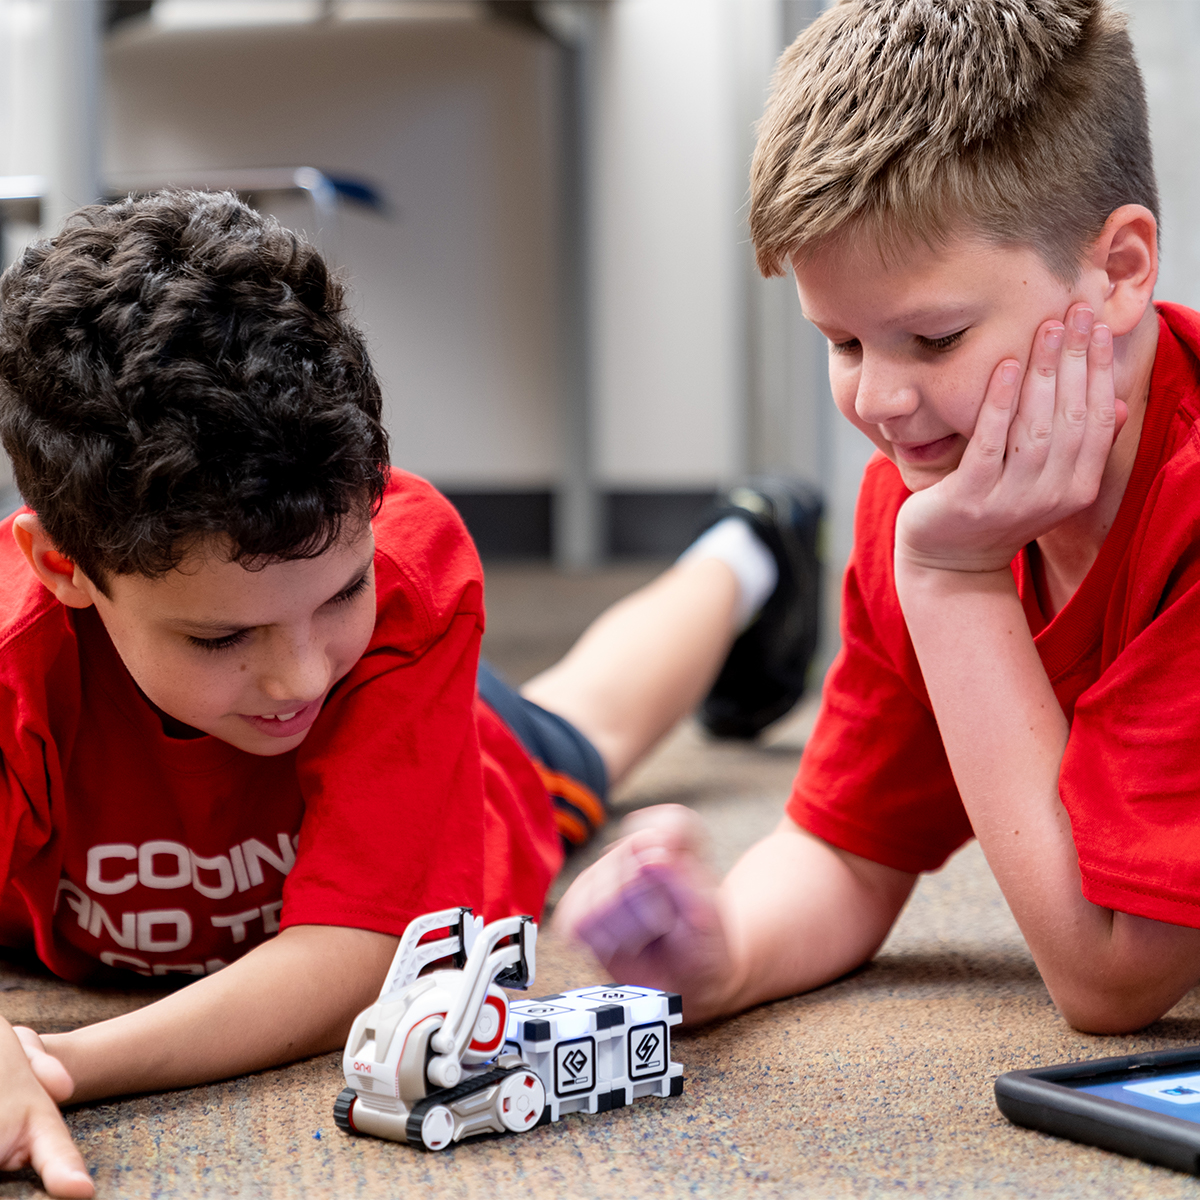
[[983, 458], [1071, 408], [1085, 404], [1101, 408], [1066, 420], [1029, 440]]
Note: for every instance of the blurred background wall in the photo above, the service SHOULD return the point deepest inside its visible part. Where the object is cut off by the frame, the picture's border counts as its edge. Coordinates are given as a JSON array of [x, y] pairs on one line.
[[551, 261]]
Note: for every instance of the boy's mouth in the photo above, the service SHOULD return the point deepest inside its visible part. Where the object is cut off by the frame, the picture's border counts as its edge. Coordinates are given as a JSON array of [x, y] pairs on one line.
[[923, 452], [287, 724]]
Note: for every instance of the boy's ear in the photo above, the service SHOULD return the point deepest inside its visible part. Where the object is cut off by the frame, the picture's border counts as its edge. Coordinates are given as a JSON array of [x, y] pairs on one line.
[[57, 572], [1126, 255]]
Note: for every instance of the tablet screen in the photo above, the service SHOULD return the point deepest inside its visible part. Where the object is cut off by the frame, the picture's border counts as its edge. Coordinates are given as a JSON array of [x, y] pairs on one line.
[[1176, 1095]]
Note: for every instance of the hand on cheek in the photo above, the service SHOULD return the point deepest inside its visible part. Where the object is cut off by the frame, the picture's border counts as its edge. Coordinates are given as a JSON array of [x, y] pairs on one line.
[[1035, 458]]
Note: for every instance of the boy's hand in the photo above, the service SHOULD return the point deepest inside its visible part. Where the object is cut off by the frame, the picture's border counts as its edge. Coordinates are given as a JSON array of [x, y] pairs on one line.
[[47, 1070], [32, 1131], [1036, 456], [648, 910]]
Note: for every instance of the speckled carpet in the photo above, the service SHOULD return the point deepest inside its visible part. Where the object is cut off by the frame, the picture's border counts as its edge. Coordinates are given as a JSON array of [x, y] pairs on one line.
[[880, 1084]]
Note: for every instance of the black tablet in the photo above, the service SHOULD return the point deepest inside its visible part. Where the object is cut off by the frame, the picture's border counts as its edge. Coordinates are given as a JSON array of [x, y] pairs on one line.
[[1143, 1105]]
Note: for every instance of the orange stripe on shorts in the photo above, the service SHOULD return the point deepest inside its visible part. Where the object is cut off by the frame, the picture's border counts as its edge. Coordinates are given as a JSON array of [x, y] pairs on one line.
[[571, 828], [571, 790]]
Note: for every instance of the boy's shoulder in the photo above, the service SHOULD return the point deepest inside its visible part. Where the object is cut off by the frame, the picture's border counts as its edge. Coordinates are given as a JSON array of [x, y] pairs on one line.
[[40, 679], [1177, 365], [424, 552]]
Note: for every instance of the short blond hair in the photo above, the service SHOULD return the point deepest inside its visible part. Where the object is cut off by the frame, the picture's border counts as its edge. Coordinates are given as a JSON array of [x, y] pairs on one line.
[[1021, 120]]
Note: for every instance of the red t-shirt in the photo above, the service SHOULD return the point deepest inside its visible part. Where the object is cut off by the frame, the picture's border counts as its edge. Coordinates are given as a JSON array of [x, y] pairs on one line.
[[122, 846], [1123, 656]]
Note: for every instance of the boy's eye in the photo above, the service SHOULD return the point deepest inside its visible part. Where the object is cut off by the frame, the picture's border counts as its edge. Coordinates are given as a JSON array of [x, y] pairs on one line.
[[942, 343], [233, 639], [221, 643], [355, 589], [848, 347]]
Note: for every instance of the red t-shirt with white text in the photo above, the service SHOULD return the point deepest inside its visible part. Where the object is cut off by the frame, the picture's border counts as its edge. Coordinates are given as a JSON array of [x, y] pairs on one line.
[[1123, 656], [125, 847]]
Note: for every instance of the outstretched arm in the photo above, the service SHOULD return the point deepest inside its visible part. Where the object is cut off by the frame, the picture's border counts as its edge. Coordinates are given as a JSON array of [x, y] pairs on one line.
[[293, 996], [1037, 457], [794, 913]]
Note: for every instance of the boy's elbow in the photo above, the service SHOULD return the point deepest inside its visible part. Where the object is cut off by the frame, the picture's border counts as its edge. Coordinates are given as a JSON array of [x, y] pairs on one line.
[[1104, 1012]]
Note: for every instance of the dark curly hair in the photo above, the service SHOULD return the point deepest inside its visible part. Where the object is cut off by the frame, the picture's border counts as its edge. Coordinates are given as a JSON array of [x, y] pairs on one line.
[[178, 368]]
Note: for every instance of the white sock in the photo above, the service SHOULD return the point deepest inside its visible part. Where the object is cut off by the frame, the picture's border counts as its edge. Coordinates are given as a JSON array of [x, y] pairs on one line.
[[734, 543]]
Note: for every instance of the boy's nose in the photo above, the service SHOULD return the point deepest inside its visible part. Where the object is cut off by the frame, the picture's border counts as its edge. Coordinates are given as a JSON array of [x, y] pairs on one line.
[[297, 668], [882, 397]]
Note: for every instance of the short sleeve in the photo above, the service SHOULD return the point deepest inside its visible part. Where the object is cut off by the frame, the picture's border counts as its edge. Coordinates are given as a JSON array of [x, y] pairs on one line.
[[1130, 778], [393, 792]]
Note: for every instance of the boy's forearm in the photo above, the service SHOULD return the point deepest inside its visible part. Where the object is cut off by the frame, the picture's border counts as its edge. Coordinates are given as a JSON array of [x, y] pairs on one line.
[[794, 913], [800, 913], [1005, 735], [291, 997]]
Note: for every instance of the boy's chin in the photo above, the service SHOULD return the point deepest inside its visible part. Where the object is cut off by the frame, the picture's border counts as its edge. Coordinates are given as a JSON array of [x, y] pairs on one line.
[[919, 476], [265, 747], [917, 479]]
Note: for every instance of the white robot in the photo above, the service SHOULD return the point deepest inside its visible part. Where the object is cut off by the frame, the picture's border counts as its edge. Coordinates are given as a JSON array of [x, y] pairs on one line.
[[438, 1057]]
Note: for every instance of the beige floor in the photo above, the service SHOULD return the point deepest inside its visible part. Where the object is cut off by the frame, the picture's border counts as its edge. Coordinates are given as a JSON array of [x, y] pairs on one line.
[[878, 1085]]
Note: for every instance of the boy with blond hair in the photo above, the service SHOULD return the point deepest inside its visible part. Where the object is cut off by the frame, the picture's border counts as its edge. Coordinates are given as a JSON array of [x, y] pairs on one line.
[[966, 197]]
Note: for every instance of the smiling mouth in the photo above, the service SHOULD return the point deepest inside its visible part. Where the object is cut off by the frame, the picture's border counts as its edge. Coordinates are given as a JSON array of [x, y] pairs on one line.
[[285, 724]]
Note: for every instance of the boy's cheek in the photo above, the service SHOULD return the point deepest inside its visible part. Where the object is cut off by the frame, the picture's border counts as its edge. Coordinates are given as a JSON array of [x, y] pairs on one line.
[[844, 400], [844, 386], [180, 687]]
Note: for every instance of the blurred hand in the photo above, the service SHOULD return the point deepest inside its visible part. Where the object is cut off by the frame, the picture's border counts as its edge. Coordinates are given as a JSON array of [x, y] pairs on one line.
[[648, 909]]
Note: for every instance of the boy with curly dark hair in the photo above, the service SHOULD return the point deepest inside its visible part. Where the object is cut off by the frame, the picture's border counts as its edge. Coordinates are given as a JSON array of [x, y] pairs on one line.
[[241, 741], [246, 735]]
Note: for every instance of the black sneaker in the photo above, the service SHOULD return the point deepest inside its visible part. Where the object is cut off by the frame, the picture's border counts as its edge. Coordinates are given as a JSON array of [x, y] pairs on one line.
[[764, 675]]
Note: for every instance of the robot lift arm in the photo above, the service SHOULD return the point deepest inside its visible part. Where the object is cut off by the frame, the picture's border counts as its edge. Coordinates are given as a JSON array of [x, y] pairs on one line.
[[510, 966]]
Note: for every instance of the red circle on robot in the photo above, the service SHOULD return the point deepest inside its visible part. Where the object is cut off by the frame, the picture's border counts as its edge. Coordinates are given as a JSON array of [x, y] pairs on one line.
[[486, 1036]]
